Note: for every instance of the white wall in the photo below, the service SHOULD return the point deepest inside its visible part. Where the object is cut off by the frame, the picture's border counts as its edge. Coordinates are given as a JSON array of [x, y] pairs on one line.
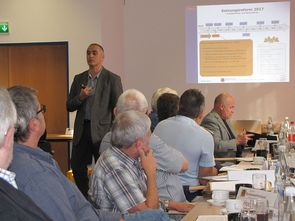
[[155, 57]]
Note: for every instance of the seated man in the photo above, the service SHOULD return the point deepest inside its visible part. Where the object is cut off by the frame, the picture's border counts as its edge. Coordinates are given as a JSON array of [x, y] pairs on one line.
[[169, 161], [38, 174], [226, 142], [185, 135], [118, 182], [14, 204]]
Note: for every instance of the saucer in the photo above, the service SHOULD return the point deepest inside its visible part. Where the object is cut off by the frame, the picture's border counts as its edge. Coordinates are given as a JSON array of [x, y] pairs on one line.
[[215, 203], [257, 163]]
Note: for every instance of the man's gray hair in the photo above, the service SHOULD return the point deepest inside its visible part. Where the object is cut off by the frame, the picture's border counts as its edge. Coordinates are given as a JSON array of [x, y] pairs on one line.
[[25, 100], [7, 113], [128, 127], [132, 99]]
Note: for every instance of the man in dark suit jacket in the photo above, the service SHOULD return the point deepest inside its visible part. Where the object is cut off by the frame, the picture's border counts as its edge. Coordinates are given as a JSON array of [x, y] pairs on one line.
[[14, 205], [226, 142], [93, 95]]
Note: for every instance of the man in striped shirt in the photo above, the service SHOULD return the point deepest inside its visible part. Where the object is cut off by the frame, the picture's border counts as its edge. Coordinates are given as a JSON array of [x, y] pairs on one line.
[[124, 177]]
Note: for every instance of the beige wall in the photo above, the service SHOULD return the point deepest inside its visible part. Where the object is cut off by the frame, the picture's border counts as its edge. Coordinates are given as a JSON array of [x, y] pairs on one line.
[[155, 57], [75, 21]]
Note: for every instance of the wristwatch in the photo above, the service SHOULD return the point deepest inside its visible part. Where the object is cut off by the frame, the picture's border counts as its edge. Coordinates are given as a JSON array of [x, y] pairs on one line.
[[165, 204]]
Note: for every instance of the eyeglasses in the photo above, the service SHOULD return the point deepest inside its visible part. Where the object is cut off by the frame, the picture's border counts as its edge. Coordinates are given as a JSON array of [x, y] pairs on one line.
[[42, 109]]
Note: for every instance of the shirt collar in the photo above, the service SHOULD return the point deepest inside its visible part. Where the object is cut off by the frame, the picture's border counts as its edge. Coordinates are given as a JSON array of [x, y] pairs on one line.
[[8, 176], [125, 157], [96, 75]]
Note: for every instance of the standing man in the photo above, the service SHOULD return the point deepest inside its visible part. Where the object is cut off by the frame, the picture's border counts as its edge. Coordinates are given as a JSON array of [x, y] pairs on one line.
[[93, 95], [226, 142]]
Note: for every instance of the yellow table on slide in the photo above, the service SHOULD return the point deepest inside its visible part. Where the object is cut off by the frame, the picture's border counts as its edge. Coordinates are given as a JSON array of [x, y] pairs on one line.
[[226, 58]]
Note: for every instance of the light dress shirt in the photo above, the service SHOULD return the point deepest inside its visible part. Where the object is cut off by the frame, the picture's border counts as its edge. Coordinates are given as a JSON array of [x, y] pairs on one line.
[[195, 143], [8, 176]]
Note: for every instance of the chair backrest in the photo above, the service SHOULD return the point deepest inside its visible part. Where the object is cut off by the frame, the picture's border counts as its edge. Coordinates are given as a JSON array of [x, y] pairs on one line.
[[248, 125]]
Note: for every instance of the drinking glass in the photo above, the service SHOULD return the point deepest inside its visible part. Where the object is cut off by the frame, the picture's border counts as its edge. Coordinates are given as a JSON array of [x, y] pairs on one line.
[[261, 209], [259, 181], [248, 212]]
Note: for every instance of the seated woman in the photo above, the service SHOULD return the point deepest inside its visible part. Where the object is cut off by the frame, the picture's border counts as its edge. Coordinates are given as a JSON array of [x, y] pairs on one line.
[[153, 114], [167, 106]]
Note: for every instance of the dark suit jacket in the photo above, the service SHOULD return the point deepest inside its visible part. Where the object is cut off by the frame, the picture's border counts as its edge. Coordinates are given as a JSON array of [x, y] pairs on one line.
[[224, 146], [15, 205], [108, 89]]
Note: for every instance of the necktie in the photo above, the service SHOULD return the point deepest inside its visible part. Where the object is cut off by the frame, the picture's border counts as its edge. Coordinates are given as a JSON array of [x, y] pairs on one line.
[[231, 135]]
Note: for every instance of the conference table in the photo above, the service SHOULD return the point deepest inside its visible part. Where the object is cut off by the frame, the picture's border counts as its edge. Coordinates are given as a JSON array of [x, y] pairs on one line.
[[62, 138]]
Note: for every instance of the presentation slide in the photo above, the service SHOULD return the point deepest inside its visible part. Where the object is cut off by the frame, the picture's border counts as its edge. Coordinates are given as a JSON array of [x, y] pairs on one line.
[[238, 43]]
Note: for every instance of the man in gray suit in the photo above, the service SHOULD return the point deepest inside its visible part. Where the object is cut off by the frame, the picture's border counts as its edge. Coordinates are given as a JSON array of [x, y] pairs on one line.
[[93, 95], [217, 122]]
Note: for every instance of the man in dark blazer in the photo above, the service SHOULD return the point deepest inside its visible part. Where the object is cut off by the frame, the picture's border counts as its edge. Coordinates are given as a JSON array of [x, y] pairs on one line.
[[93, 95], [217, 122], [14, 204]]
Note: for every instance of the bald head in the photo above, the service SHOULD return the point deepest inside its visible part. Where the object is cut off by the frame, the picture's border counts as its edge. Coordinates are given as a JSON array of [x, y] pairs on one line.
[[224, 105]]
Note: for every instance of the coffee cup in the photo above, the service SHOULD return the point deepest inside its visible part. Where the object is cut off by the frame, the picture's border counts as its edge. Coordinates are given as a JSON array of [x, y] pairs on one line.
[[220, 195], [234, 205]]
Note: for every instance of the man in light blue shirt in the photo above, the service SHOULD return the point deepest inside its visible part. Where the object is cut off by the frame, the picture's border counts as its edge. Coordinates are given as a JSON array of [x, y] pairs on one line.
[[184, 134]]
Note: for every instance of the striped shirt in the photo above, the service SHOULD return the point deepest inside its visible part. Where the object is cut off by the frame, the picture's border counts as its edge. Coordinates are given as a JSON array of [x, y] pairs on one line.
[[118, 182]]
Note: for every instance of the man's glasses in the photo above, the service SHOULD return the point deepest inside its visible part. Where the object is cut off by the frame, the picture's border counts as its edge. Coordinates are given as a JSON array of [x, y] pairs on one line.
[[42, 109]]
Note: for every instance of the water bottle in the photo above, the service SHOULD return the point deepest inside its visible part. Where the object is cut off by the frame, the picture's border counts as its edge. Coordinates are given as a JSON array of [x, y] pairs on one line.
[[283, 135], [270, 126]]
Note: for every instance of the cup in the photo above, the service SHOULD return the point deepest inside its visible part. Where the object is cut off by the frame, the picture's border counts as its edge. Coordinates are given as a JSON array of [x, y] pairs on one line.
[[259, 181], [220, 196]]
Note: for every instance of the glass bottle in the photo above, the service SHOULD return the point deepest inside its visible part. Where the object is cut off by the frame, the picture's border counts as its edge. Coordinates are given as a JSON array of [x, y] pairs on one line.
[[270, 126]]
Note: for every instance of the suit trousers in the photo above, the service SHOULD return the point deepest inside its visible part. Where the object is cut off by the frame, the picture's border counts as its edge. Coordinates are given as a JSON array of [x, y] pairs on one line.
[[82, 156]]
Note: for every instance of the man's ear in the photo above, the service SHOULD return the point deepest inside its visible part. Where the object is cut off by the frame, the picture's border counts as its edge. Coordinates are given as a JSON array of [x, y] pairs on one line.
[[201, 115], [115, 111], [8, 138], [138, 143], [33, 123]]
